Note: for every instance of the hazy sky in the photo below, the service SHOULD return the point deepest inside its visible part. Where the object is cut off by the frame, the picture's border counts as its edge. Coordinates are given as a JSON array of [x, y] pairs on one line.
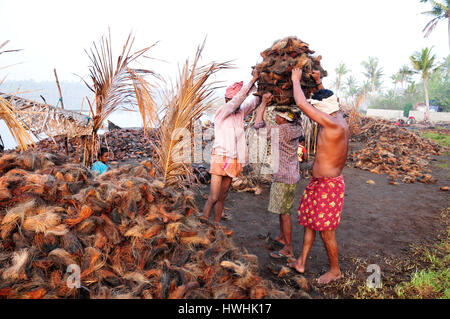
[[54, 34]]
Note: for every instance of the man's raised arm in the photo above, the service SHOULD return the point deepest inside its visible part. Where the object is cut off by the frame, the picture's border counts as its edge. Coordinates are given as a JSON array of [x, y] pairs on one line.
[[260, 114], [314, 114]]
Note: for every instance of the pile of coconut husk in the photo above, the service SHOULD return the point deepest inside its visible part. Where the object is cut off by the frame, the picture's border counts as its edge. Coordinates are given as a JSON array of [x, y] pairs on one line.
[[123, 145], [392, 150], [130, 235], [243, 183], [278, 62]]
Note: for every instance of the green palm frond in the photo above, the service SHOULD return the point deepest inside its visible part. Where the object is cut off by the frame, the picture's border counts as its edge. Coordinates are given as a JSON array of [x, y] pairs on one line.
[[439, 11], [424, 62]]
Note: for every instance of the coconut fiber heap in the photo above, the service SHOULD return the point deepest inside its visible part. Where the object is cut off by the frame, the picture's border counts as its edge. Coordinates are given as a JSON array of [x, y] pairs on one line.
[[278, 62], [392, 150], [128, 234], [124, 144]]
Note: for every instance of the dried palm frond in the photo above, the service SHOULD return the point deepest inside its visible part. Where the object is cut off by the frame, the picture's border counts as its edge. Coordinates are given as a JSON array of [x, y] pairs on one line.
[[18, 129], [116, 85], [184, 104], [6, 51], [11, 117]]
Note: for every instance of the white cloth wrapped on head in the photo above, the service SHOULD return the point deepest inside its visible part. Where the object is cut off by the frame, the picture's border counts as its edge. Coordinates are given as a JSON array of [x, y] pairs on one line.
[[289, 116], [328, 105]]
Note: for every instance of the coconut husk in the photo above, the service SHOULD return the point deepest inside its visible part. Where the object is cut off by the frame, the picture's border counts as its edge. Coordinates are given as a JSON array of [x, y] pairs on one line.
[[276, 67], [130, 234], [387, 149], [122, 144]]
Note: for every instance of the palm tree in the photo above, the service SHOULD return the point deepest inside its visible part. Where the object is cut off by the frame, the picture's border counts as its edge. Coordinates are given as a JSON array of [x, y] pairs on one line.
[[184, 103], [440, 11], [363, 92], [424, 63], [373, 73], [405, 75], [411, 89], [351, 88], [116, 85], [341, 70], [446, 68], [396, 78]]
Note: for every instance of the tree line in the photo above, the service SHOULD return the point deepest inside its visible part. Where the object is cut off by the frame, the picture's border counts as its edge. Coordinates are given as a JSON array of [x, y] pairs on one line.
[[423, 79]]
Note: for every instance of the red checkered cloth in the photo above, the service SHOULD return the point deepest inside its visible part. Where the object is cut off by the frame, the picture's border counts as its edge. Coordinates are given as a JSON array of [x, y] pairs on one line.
[[322, 203]]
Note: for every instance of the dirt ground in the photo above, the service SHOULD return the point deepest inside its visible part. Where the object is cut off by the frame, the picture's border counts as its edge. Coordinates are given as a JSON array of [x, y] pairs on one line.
[[379, 221]]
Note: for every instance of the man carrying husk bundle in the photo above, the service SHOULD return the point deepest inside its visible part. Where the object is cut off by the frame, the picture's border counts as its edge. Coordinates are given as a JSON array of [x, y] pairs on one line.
[[229, 153], [286, 171], [323, 199]]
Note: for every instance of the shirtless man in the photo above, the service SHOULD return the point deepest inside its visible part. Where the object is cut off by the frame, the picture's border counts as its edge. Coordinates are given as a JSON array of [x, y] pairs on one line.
[[323, 199]]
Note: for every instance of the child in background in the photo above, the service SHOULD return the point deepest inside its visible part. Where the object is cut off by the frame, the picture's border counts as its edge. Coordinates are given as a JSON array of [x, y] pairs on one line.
[[100, 166]]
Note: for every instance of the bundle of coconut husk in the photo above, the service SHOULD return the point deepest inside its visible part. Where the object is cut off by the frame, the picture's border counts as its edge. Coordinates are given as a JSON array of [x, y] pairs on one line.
[[123, 145], [278, 62], [392, 150], [129, 234]]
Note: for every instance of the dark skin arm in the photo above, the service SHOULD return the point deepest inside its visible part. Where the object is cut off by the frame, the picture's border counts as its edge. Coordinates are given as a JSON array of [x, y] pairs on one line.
[[314, 114], [265, 100]]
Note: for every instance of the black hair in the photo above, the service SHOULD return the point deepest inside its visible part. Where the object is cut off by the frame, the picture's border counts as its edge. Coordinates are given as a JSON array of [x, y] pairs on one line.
[[301, 139], [322, 94], [102, 151]]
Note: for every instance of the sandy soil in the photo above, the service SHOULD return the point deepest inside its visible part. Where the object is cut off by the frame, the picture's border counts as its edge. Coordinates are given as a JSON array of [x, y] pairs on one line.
[[379, 221]]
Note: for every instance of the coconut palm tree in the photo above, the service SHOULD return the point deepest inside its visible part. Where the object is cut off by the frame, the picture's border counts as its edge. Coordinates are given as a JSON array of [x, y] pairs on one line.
[[363, 92], [396, 78], [424, 63], [341, 70], [351, 88], [411, 89], [440, 11], [184, 103], [373, 73], [116, 85], [405, 75]]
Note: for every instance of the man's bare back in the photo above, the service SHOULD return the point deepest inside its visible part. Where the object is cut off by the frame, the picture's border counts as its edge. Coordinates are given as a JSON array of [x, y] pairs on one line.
[[332, 148]]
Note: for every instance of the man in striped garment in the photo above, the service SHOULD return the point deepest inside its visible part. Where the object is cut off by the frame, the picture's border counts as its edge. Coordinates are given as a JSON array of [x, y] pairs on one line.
[[286, 173]]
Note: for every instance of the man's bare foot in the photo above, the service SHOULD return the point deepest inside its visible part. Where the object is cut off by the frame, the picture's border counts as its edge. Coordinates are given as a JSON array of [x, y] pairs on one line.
[[329, 277], [297, 266]]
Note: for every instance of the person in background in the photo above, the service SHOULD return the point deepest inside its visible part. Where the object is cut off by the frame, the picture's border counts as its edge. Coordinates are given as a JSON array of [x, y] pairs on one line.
[[323, 199], [229, 153], [286, 172], [103, 157], [301, 153]]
